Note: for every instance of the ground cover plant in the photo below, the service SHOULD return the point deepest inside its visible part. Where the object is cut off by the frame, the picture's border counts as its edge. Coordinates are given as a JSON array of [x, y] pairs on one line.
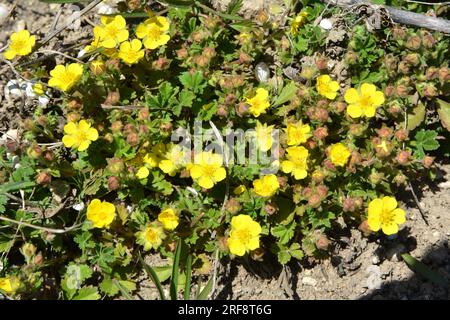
[[132, 147]]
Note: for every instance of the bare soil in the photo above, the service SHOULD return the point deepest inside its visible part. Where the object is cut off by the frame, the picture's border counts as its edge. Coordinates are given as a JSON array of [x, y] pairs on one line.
[[357, 268]]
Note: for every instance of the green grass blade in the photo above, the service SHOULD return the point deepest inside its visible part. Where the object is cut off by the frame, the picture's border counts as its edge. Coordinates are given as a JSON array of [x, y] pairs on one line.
[[152, 274], [203, 295], [422, 269], [187, 287], [175, 272]]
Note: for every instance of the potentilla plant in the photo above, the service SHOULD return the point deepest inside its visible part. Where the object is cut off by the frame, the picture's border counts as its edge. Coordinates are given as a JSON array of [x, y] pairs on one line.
[[112, 166]]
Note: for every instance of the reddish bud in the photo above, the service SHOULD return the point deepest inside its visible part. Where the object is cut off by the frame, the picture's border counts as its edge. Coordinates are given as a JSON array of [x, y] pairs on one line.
[[43, 178], [113, 183], [427, 161], [320, 133], [403, 157], [402, 135]]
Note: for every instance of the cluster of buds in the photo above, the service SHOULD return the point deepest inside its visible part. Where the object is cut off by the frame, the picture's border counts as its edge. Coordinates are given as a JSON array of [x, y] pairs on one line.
[[352, 204], [315, 195]]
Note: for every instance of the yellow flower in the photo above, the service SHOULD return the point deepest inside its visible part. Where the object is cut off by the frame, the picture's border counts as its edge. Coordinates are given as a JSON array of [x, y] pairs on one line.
[[131, 52], [384, 215], [79, 135], [101, 213], [259, 103], [363, 102], [153, 31], [112, 31], [174, 159], [169, 219], [339, 154], [151, 236], [38, 89], [298, 22], [244, 235], [65, 77], [239, 189], [297, 133], [296, 163], [154, 157], [207, 169], [9, 284], [264, 136], [142, 173], [327, 87], [22, 44], [266, 186]]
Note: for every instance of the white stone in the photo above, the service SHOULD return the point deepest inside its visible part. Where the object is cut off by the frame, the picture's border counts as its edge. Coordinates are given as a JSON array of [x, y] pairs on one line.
[[4, 11], [326, 24], [309, 281]]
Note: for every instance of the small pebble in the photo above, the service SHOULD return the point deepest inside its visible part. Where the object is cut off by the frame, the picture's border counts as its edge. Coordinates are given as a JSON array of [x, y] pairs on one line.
[[309, 281]]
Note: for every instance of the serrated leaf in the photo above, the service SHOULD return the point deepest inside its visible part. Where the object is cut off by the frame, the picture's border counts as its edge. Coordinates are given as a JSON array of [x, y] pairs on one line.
[[416, 117], [283, 233], [192, 81], [284, 257], [444, 113], [108, 287], [287, 93], [87, 293], [425, 140]]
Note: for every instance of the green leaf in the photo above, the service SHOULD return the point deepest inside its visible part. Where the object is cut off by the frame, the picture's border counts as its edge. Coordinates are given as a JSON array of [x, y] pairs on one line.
[[284, 233], [284, 256], [3, 202], [123, 289], [175, 271], [87, 293], [192, 81], [287, 93], [295, 251], [234, 6], [153, 276], [108, 287], [163, 273], [416, 117], [423, 270], [444, 113], [203, 295], [16, 186], [425, 140], [187, 288]]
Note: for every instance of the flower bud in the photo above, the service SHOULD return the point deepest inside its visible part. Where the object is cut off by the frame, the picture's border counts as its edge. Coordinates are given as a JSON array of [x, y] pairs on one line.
[[261, 16], [162, 63], [34, 151], [271, 208], [400, 179], [389, 91], [28, 250], [308, 72], [428, 40], [128, 128], [427, 161], [444, 74], [73, 117], [402, 90], [341, 106], [403, 157], [133, 4], [404, 67], [222, 111], [74, 104], [356, 129], [402, 134], [413, 43], [351, 57], [322, 63], [133, 139], [307, 192], [166, 127], [432, 73], [322, 242], [314, 201], [384, 132], [391, 62], [230, 99], [310, 144], [320, 133], [144, 114], [38, 259], [43, 178], [182, 53], [97, 67], [317, 176], [412, 59], [115, 165], [364, 228], [430, 91], [233, 206], [399, 33], [244, 58], [48, 155], [116, 126], [112, 98], [241, 109], [282, 181], [108, 137], [257, 254], [113, 183], [376, 177], [348, 205], [322, 191]]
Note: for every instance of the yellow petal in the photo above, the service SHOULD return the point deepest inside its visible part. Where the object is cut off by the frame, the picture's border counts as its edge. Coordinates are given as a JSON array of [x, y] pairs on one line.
[[374, 224], [378, 98], [253, 243], [236, 247], [370, 111], [68, 141], [367, 89], [58, 71], [84, 145], [389, 203], [351, 96], [92, 134], [375, 208], [389, 229], [9, 54], [122, 36], [354, 110], [83, 125], [70, 128], [287, 166], [219, 174], [300, 174], [205, 182], [399, 216]]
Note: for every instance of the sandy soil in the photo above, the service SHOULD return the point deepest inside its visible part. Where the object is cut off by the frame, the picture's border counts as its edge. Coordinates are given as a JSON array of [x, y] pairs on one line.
[[358, 267]]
